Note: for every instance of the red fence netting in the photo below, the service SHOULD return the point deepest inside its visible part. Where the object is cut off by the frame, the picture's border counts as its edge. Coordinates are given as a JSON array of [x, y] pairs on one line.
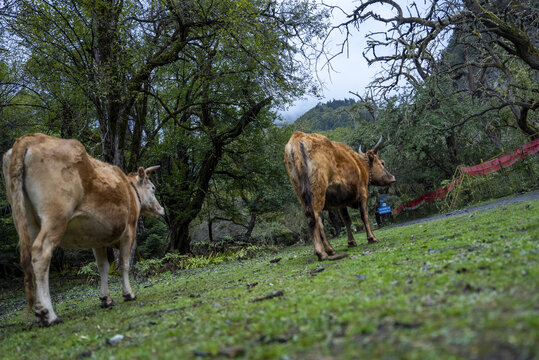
[[484, 168], [503, 161], [428, 197]]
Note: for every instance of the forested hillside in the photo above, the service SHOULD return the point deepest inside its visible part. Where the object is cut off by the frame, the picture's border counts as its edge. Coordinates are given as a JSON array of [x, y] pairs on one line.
[[332, 115]]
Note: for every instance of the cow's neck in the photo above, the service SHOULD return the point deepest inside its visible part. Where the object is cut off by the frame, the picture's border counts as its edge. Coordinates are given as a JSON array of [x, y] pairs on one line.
[[138, 196], [366, 159]]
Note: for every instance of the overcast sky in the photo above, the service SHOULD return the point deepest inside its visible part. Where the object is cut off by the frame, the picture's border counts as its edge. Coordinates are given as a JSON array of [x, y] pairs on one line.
[[350, 71]]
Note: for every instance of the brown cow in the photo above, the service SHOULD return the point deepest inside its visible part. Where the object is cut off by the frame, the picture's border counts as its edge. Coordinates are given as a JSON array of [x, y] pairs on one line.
[[61, 196], [328, 175]]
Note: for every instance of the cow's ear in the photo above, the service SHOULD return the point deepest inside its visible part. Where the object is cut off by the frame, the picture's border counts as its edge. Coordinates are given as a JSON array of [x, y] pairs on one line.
[[141, 174]]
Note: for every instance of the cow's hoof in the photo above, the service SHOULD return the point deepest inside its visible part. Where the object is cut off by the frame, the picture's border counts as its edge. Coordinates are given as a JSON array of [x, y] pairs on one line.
[[372, 241], [322, 257], [56, 321], [41, 312], [106, 302], [352, 244], [129, 297], [42, 318]]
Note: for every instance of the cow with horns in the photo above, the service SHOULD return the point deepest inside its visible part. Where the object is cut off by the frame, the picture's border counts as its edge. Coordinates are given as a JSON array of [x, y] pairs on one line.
[[328, 175], [61, 196]]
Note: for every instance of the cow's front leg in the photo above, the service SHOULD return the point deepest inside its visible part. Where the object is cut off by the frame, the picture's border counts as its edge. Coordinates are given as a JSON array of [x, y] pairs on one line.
[[103, 266], [365, 216], [42, 248], [125, 251], [348, 222]]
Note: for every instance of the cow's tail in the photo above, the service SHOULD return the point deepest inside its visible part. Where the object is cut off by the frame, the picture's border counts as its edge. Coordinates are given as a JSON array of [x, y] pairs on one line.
[[300, 160], [16, 179]]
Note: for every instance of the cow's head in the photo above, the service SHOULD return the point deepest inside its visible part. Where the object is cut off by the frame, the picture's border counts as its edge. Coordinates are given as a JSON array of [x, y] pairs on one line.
[[149, 206], [379, 175]]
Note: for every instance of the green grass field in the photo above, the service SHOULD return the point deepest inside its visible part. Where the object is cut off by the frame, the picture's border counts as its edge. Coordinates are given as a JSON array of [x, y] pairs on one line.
[[461, 287]]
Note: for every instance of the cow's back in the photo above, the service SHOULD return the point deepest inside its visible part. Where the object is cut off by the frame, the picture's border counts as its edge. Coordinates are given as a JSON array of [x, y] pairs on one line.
[[63, 184], [336, 161], [52, 176], [333, 169]]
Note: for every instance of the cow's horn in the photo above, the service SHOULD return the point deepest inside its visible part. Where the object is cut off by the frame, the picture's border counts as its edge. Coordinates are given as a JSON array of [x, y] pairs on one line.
[[152, 169], [359, 150], [377, 146]]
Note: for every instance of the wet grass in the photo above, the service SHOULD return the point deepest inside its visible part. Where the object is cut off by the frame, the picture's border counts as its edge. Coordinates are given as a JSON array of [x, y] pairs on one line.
[[461, 287]]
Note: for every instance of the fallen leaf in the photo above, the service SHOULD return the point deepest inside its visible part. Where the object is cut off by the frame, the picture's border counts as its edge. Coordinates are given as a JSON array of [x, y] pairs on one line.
[[251, 285], [270, 296], [232, 351], [337, 256]]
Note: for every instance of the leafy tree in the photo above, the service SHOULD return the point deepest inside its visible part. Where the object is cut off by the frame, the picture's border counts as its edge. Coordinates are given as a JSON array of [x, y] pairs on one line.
[[244, 62], [251, 180]]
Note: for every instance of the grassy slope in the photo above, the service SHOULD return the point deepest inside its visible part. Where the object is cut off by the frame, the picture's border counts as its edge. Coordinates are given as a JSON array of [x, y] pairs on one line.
[[462, 287]]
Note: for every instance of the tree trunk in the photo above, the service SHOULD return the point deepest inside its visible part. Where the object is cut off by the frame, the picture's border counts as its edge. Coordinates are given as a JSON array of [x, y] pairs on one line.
[[179, 236], [451, 146], [251, 226], [521, 115], [66, 127], [210, 230]]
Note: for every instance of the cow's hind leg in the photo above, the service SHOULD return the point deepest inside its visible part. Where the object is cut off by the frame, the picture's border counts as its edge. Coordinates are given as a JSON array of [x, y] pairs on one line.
[[347, 222], [125, 251], [46, 241], [104, 266], [314, 234], [327, 246]]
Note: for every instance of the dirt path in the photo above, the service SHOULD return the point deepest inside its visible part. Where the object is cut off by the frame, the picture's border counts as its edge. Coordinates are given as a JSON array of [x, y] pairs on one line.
[[534, 195]]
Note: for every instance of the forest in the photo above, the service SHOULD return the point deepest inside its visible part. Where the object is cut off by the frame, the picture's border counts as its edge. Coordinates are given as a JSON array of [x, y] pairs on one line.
[[196, 87]]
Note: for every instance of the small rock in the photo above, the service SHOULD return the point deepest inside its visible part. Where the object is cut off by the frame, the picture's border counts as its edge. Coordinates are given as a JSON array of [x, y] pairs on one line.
[[471, 215], [115, 339], [425, 266], [394, 283], [274, 261], [361, 277]]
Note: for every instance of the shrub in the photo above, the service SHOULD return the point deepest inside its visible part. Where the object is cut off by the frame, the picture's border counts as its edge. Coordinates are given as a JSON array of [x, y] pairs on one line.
[[152, 243], [273, 233]]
